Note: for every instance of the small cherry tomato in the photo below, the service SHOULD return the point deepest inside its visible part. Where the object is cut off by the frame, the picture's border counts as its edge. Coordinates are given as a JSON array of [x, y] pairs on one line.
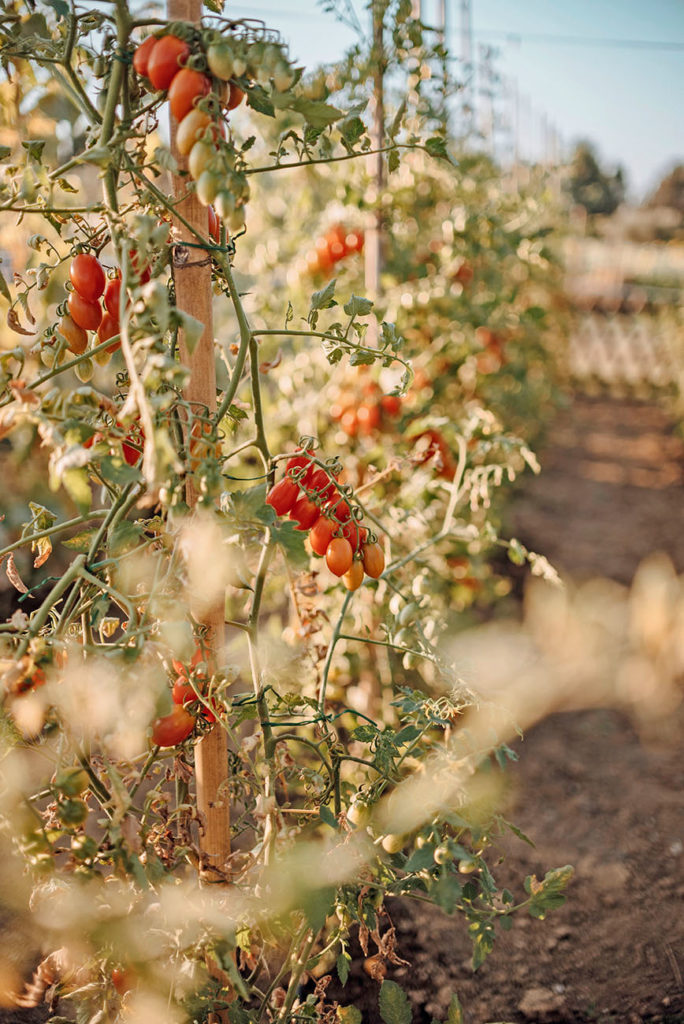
[[76, 338], [339, 556], [122, 980], [391, 404], [322, 484], [339, 510], [336, 243], [214, 225], [305, 513], [373, 560], [298, 462], [235, 97], [368, 418], [130, 453], [353, 578], [164, 60], [282, 496], [202, 157], [109, 327], [141, 56], [191, 130], [172, 729], [112, 296], [87, 276], [321, 534], [186, 89], [182, 692], [87, 315], [349, 422], [354, 241], [355, 534]]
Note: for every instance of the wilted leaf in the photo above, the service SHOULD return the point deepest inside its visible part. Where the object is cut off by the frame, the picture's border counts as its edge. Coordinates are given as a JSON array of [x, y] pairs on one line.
[[14, 324], [13, 575]]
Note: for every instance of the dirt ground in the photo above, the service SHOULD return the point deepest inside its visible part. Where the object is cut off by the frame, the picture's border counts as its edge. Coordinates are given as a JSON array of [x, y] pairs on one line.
[[586, 789]]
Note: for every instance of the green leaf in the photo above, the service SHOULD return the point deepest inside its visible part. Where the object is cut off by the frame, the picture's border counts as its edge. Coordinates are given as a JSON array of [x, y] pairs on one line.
[[517, 552], [251, 504], [327, 817], [405, 735], [258, 99], [549, 894], [393, 160], [60, 7], [317, 113], [436, 146], [4, 290], [358, 306], [455, 1011], [359, 357], [291, 541], [5, 152], [80, 541], [349, 1015], [343, 962], [77, 486], [34, 148], [421, 858], [325, 298], [125, 537], [394, 1005], [117, 471]]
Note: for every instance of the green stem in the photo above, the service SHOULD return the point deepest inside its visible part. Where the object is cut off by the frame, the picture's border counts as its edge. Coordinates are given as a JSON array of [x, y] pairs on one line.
[[245, 339], [41, 616], [331, 650], [98, 514], [330, 159]]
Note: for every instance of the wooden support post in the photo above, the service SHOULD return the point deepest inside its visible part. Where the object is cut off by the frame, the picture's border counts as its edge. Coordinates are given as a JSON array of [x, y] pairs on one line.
[[373, 241], [194, 296]]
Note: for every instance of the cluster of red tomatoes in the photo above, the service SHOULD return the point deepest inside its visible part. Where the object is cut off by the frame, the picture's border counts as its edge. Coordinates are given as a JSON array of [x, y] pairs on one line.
[[162, 60], [131, 445], [175, 727], [331, 248], [367, 416], [333, 530], [84, 312]]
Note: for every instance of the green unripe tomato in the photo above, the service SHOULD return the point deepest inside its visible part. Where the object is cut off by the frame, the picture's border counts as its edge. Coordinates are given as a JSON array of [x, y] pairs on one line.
[[403, 638], [467, 866], [83, 847], [220, 58], [209, 186], [72, 781], [443, 854], [72, 812], [239, 65], [84, 370], [408, 614], [359, 813], [393, 843], [224, 204], [202, 155], [236, 221], [410, 661], [255, 57]]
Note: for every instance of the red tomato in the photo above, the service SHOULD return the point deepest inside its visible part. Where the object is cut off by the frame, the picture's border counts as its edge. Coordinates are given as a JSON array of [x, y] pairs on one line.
[[325, 260], [214, 225], [336, 243], [321, 534], [355, 534], [339, 556], [368, 418], [186, 89], [354, 577], [182, 692], [322, 484], [349, 422], [339, 511], [166, 56], [438, 449], [111, 297], [235, 97], [130, 453], [282, 496], [86, 314], [354, 241], [305, 513], [76, 337], [373, 560], [122, 980], [173, 728], [87, 276], [391, 404], [141, 56], [301, 462], [109, 327], [143, 275]]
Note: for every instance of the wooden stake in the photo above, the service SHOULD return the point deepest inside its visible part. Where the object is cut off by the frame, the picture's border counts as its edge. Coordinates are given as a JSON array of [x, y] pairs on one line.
[[373, 241], [194, 296]]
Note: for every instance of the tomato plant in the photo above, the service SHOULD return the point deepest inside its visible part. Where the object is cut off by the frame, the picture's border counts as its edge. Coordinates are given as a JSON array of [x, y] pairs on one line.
[[185, 655]]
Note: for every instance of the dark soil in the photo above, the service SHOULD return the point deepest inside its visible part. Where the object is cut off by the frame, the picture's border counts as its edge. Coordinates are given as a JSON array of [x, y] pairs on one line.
[[586, 789]]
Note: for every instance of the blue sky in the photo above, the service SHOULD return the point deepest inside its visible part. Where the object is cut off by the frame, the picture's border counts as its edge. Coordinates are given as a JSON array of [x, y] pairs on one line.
[[628, 101]]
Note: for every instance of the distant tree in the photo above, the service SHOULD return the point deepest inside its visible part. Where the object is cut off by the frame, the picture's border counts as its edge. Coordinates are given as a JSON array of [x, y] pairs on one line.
[[670, 191], [590, 186]]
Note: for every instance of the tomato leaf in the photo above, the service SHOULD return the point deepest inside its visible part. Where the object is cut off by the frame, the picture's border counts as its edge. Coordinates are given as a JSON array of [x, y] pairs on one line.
[[548, 894], [4, 289], [358, 306], [455, 1011], [342, 965], [317, 113], [13, 575], [394, 1005], [328, 818]]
